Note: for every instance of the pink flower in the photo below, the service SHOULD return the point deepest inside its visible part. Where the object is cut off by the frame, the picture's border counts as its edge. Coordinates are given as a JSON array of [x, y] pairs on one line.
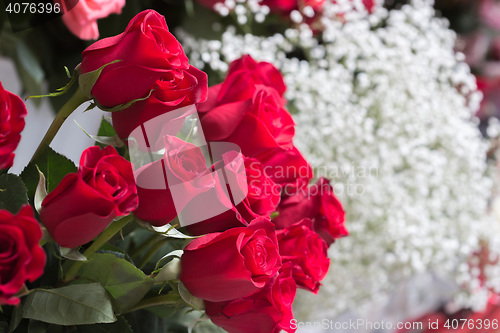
[[489, 11], [81, 20]]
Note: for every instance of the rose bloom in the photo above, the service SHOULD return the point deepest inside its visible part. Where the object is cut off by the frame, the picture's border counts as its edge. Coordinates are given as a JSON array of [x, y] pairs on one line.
[[84, 203], [307, 252], [167, 185], [81, 19], [269, 310], [318, 203], [12, 113], [152, 62], [248, 183], [21, 258], [250, 104], [233, 264]]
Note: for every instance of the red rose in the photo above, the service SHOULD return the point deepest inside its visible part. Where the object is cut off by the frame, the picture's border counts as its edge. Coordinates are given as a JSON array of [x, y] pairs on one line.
[[150, 59], [317, 203], [21, 258], [269, 310], [307, 252], [254, 194], [166, 186], [232, 264], [111, 175], [263, 117], [12, 113], [250, 104], [84, 203], [288, 168]]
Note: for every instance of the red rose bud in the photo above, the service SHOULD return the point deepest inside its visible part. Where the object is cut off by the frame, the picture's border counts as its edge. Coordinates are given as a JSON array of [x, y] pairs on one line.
[[150, 60], [166, 186], [307, 252], [236, 263], [318, 203], [248, 194], [269, 310], [12, 113], [21, 258], [84, 203]]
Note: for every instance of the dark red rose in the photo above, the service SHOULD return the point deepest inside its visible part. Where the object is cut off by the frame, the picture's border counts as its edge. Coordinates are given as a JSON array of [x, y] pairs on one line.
[[166, 186], [244, 192], [307, 252], [150, 59], [247, 105], [21, 258], [318, 203], [269, 310], [233, 264], [12, 113], [84, 203]]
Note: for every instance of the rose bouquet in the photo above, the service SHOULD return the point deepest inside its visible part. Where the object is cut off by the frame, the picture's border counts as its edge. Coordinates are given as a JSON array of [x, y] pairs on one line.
[[193, 205], [385, 108]]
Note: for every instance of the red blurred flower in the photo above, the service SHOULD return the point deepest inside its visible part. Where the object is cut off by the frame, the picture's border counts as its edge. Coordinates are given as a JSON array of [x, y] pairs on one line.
[[12, 113]]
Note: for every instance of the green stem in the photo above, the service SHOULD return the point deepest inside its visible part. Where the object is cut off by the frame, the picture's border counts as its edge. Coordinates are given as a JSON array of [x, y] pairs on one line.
[[107, 234], [168, 299], [152, 252], [71, 105]]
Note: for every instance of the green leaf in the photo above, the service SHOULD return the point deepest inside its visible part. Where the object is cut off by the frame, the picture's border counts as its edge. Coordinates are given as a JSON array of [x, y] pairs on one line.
[[114, 141], [194, 302], [72, 254], [41, 191], [175, 253], [13, 193], [126, 283], [106, 129], [87, 80], [120, 326], [62, 90], [72, 305], [124, 105], [167, 230], [53, 165], [17, 316]]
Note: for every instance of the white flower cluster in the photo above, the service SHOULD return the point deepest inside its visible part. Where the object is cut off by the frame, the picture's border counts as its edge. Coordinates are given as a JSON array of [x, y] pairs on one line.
[[383, 107]]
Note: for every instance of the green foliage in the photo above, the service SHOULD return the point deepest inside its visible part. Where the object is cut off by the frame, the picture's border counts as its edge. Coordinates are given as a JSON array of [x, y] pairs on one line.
[[13, 193], [126, 283], [120, 326], [53, 165], [72, 305]]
